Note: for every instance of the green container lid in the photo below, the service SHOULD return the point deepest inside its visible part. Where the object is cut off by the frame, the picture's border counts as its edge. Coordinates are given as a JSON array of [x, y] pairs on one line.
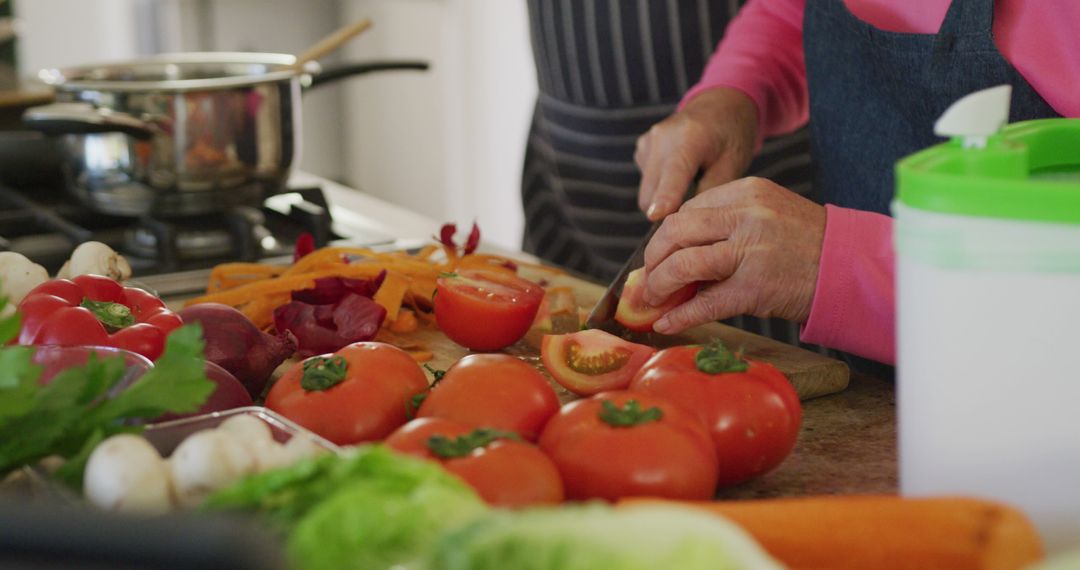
[[1028, 171]]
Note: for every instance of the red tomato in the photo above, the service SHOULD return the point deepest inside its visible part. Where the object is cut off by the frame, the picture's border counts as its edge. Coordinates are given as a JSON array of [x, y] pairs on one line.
[[486, 310], [656, 450], [493, 390], [362, 394], [753, 415], [632, 311], [592, 361], [503, 471]]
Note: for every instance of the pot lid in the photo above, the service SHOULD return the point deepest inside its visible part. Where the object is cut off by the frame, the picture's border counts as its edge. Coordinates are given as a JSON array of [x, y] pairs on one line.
[[195, 71]]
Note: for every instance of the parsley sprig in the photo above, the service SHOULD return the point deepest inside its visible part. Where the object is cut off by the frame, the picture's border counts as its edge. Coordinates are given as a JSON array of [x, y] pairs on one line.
[[73, 413]]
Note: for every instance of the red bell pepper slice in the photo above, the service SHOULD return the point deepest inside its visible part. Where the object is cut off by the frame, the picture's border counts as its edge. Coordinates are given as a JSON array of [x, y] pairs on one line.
[[95, 310]]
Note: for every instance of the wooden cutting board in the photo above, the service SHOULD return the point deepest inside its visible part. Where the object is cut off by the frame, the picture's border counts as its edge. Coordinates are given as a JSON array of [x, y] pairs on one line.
[[812, 374]]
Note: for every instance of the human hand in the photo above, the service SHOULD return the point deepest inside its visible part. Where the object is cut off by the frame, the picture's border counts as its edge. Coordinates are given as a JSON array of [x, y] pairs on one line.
[[714, 132], [754, 245]]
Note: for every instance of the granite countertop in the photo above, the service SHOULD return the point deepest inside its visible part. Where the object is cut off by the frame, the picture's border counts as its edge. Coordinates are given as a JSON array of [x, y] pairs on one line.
[[847, 445]]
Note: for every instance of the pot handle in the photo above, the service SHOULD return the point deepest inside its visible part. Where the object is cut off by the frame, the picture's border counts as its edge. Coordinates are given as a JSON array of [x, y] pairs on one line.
[[333, 73], [84, 118]]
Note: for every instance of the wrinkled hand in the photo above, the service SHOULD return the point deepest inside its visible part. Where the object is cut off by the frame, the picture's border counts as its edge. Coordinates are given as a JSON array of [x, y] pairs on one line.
[[714, 132], [755, 245]]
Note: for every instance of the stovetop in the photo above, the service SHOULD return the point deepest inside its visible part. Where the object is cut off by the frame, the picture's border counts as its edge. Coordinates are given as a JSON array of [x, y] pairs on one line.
[[45, 225]]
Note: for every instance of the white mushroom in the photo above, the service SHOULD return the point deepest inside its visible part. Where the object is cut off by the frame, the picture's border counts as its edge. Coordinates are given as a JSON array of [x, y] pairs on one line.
[[249, 428], [259, 440], [300, 447], [270, 454], [207, 461], [95, 258], [126, 474], [18, 275]]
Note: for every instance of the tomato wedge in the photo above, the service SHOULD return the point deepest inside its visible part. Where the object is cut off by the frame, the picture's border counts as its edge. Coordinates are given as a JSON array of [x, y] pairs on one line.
[[632, 311], [486, 310], [592, 361]]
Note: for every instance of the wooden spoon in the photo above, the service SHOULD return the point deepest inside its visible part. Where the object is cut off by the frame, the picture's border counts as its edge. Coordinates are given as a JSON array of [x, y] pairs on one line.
[[331, 42]]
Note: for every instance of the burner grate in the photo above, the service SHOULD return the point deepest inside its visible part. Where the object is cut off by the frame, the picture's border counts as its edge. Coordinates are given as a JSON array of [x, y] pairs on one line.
[[48, 232]]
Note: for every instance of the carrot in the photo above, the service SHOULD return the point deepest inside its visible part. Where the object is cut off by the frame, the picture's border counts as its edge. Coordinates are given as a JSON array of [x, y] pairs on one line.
[[422, 291], [261, 310], [229, 275], [486, 262], [257, 289], [284, 284], [392, 293], [406, 322], [421, 355], [427, 251], [325, 255], [884, 532]]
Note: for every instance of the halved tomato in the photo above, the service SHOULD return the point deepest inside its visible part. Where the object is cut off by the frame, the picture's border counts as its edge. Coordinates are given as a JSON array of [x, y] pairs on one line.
[[486, 310], [592, 361], [634, 314]]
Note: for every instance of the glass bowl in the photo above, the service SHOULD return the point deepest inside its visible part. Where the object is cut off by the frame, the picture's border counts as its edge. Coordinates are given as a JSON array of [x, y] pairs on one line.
[[56, 359]]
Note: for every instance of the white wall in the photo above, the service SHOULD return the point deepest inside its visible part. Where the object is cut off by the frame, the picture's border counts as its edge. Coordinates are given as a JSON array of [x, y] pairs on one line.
[[59, 33], [448, 143]]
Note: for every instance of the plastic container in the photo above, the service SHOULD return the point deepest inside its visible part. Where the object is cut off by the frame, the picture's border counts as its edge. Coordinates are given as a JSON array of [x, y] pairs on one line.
[[166, 436], [54, 359], [32, 482], [987, 236]]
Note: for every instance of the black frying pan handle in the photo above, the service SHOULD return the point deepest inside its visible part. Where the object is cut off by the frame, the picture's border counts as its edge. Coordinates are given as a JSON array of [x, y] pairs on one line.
[[84, 118], [334, 72]]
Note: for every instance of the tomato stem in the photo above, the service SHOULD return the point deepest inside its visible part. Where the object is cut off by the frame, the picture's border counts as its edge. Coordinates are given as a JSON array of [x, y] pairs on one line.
[[446, 447], [629, 415], [418, 399], [436, 373], [715, 358], [113, 315], [322, 373]]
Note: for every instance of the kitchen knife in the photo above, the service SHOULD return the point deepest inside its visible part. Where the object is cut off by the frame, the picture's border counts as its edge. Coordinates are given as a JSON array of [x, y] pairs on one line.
[[603, 314]]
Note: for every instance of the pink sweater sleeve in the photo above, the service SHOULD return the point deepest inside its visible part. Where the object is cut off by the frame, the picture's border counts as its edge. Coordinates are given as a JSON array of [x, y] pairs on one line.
[[761, 55], [854, 302]]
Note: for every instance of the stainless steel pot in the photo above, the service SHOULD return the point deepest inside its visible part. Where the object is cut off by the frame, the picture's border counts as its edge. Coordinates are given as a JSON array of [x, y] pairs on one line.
[[181, 134]]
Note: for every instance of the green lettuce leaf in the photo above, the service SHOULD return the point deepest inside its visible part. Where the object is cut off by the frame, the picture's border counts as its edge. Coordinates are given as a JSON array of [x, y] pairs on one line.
[[371, 508], [596, 536]]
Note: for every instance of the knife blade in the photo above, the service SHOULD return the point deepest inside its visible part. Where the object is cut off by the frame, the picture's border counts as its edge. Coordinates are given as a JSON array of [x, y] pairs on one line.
[[602, 315]]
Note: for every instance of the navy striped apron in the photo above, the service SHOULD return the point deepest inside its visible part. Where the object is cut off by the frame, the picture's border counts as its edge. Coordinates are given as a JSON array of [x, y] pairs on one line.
[[607, 71]]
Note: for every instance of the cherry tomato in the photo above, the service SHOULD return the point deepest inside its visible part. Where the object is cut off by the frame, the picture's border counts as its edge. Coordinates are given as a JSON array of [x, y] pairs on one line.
[[624, 444], [360, 393], [749, 407], [503, 471], [493, 390], [632, 311], [592, 361], [486, 310]]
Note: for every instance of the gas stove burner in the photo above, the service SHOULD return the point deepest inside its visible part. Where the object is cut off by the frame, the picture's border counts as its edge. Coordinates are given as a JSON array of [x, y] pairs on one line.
[[47, 228], [238, 233]]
